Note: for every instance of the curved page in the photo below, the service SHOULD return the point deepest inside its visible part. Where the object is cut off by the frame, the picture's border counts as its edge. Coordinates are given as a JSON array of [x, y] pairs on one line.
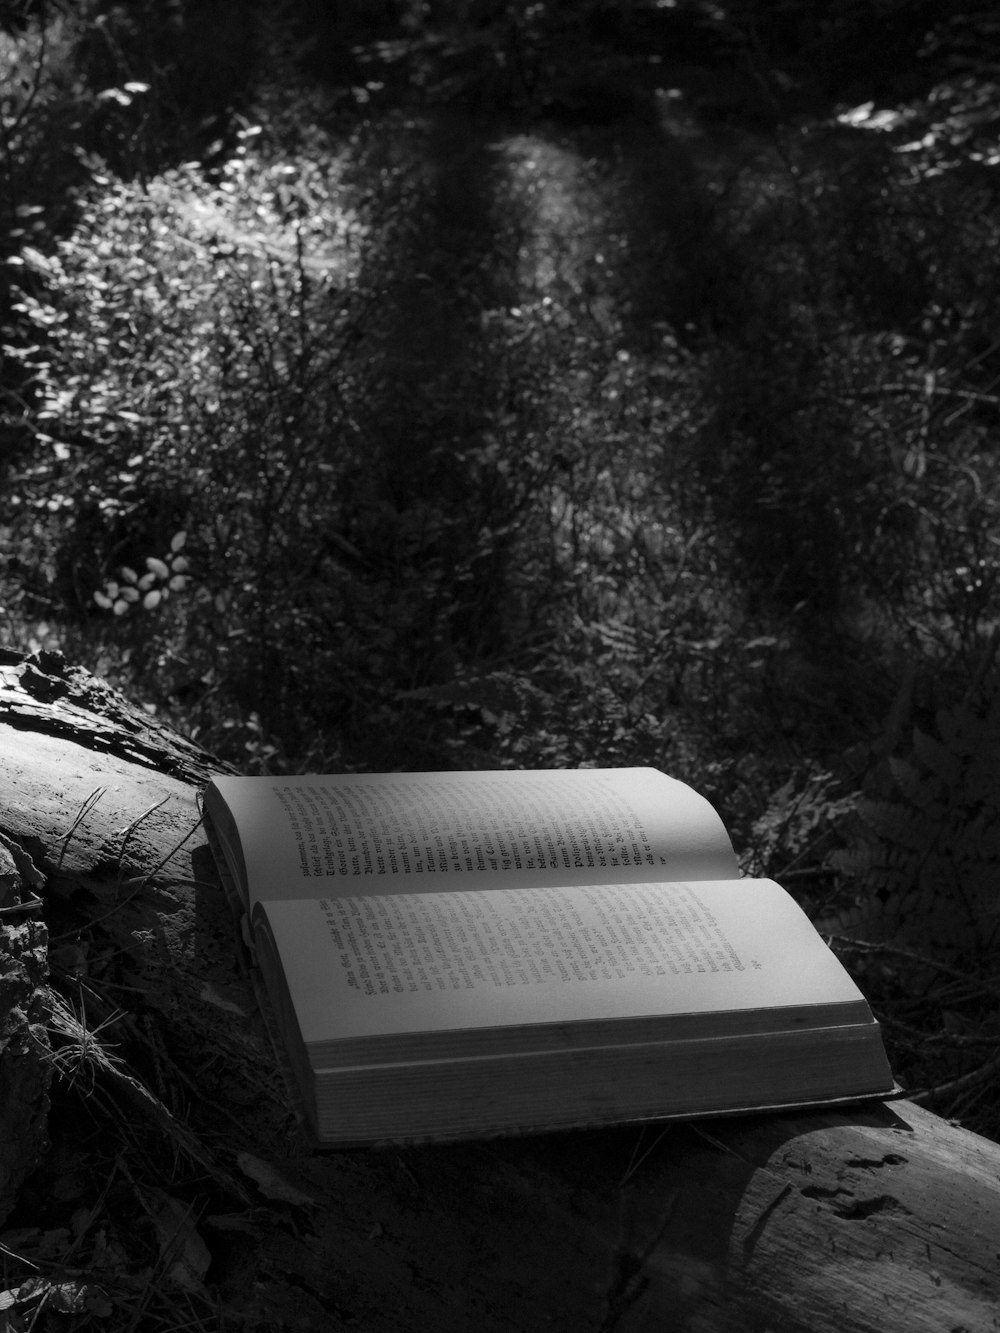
[[348, 834]]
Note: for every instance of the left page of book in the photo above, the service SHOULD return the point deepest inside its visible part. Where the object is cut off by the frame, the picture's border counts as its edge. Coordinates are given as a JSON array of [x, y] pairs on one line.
[[296, 837]]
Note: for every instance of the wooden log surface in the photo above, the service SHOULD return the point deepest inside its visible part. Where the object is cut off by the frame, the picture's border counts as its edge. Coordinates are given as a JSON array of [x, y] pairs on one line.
[[882, 1218]]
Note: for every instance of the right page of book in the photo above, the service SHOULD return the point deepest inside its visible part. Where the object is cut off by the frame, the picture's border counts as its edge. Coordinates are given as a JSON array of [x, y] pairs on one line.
[[380, 833], [366, 975]]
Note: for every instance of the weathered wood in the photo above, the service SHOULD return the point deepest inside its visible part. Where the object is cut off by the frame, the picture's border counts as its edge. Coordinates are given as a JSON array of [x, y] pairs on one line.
[[885, 1218]]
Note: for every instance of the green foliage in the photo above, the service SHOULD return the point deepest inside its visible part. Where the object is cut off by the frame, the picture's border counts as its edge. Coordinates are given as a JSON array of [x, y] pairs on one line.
[[499, 54], [799, 825], [857, 387], [923, 843], [43, 106], [91, 90], [150, 589], [231, 430]]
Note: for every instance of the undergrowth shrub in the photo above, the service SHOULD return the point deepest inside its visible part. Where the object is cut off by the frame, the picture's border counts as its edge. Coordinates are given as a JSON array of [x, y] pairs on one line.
[[855, 395], [43, 105], [186, 368]]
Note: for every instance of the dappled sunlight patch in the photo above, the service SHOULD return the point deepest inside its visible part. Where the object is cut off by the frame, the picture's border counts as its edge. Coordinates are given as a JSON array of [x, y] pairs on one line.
[[552, 190], [292, 211]]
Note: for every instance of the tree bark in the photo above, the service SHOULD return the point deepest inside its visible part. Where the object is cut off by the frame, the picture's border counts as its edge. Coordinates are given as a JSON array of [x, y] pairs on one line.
[[881, 1218]]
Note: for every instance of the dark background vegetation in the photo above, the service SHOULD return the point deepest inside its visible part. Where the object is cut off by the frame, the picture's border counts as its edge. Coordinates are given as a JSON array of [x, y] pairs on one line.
[[474, 384]]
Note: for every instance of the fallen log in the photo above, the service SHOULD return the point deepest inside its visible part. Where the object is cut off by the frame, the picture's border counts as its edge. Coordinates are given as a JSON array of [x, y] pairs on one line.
[[173, 1171]]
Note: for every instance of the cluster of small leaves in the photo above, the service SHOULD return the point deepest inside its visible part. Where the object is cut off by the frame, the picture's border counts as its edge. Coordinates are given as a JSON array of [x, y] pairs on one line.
[[175, 266], [131, 590], [795, 832], [179, 350]]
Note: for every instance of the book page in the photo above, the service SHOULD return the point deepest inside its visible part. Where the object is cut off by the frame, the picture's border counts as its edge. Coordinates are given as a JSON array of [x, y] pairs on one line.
[[376, 833], [363, 969]]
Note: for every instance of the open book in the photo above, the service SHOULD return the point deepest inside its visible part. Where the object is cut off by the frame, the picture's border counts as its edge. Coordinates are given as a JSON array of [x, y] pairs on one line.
[[451, 955]]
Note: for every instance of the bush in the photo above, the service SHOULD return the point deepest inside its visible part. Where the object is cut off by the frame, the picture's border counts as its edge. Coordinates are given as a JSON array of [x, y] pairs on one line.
[[186, 368]]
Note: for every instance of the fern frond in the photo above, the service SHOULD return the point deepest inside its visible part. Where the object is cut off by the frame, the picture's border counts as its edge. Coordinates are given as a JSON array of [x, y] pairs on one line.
[[923, 840], [938, 759]]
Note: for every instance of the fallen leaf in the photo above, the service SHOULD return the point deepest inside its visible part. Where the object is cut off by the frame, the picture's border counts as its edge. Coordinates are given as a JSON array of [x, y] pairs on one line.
[[271, 1182], [211, 995], [186, 1254]]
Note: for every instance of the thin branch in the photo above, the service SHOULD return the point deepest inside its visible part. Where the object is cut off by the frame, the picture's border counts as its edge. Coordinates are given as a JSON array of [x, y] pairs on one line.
[[32, 905], [957, 1040], [979, 984], [941, 1091]]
